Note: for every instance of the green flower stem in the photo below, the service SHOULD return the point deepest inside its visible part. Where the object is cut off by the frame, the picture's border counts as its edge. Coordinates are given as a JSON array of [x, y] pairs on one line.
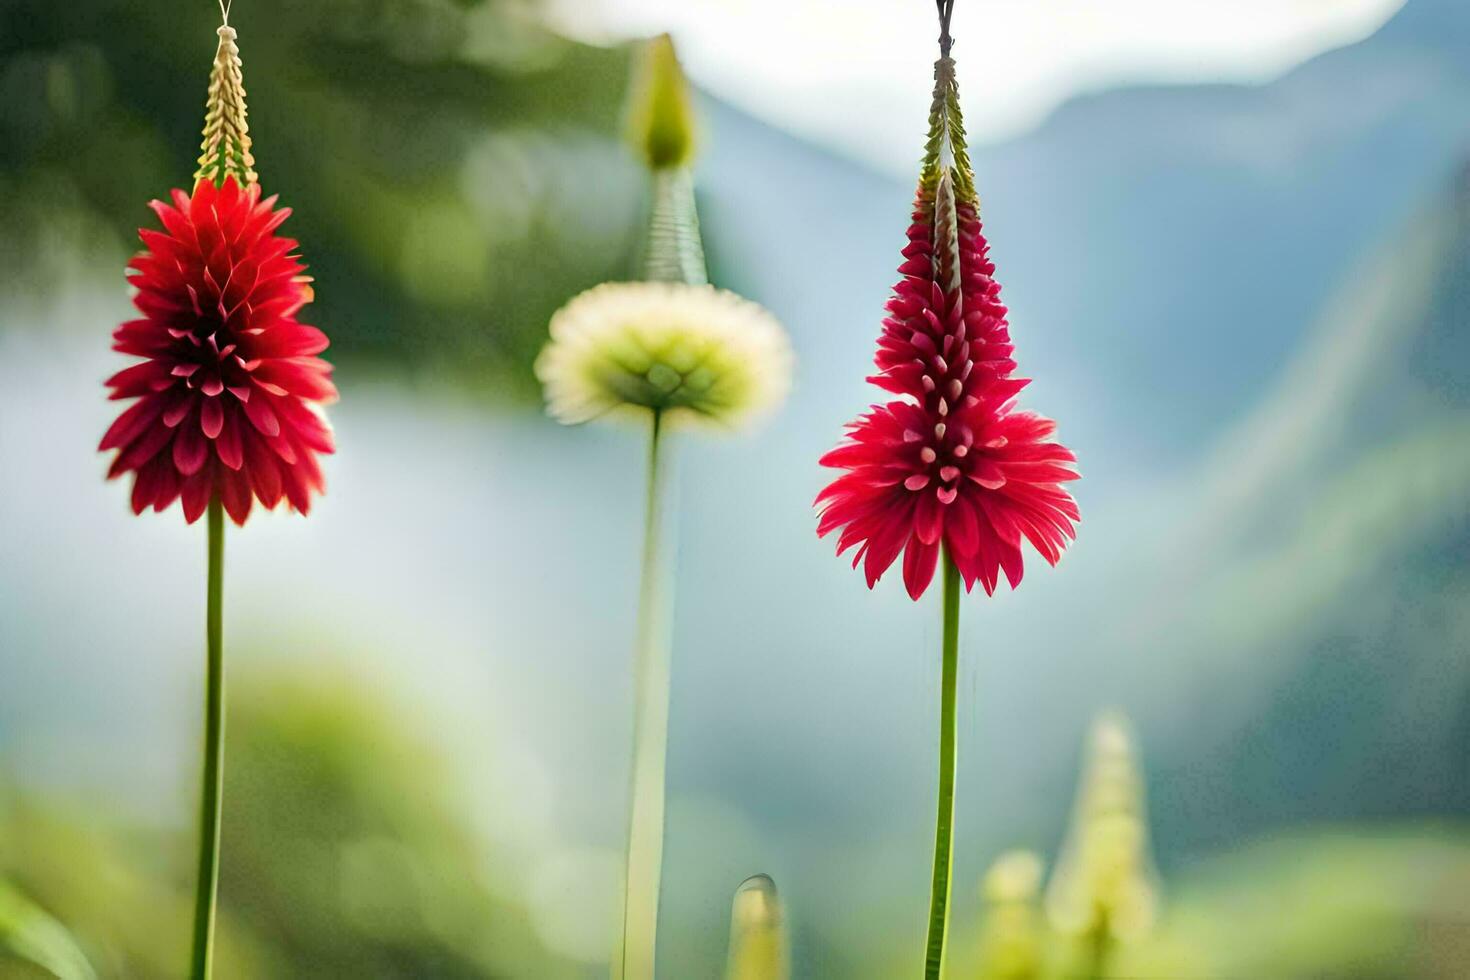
[[674, 252], [944, 820], [214, 741], [644, 864]]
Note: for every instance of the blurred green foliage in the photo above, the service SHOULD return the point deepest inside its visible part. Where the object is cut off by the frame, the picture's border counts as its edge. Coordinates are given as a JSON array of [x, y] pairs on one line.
[[1347, 903], [1363, 903], [346, 852], [1367, 903], [347, 849], [31, 938], [454, 168], [349, 853]]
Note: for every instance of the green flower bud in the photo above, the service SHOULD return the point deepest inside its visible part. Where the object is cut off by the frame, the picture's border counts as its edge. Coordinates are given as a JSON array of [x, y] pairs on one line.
[[661, 113]]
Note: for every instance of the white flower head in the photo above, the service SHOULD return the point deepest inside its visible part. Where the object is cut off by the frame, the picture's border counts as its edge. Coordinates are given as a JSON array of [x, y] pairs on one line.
[[693, 353]]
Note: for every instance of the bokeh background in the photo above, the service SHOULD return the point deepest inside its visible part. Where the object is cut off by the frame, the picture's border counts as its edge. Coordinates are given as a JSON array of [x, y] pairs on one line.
[[1237, 253]]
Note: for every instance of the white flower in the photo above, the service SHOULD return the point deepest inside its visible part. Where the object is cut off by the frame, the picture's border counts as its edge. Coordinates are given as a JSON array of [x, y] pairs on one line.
[[694, 353]]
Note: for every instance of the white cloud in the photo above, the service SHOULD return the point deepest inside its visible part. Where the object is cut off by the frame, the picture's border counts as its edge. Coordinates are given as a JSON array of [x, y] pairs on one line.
[[855, 73]]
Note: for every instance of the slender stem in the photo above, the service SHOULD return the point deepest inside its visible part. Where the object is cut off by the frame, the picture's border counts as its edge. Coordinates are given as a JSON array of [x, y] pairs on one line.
[[674, 252], [944, 819], [214, 741], [946, 9], [650, 738]]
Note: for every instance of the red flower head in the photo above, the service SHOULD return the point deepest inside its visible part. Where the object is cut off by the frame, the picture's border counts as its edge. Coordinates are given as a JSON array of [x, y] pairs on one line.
[[228, 389], [953, 464]]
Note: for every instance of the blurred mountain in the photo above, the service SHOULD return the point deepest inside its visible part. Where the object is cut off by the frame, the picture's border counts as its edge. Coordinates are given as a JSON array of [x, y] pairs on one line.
[[1326, 560], [1176, 240]]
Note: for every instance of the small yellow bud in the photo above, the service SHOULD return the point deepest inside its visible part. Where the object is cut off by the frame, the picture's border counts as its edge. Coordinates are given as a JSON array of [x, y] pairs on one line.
[[1010, 943], [1014, 877]]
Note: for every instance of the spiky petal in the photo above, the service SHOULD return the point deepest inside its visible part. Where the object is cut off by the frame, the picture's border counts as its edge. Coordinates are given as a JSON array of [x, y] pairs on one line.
[[952, 464], [228, 390]]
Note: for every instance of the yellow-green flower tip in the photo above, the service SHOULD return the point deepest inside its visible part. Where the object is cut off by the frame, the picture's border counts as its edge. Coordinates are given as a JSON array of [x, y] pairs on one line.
[[692, 353], [1105, 882], [661, 116]]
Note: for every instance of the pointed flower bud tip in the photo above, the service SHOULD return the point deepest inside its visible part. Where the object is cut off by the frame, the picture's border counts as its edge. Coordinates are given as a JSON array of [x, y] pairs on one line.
[[758, 949], [661, 111], [226, 145]]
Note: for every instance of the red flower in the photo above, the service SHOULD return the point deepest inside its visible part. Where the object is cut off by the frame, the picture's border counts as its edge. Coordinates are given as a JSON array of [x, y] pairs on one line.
[[228, 389], [953, 464]]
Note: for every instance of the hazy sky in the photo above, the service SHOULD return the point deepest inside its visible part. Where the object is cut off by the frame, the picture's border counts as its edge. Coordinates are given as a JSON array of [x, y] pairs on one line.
[[856, 73]]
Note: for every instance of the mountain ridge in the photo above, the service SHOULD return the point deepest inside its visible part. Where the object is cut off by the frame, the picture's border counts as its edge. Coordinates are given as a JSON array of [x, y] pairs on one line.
[[1253, 196]]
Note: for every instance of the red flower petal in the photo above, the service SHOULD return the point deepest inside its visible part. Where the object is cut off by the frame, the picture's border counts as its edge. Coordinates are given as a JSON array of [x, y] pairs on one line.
[[191, 449], [919, 561], [953, 464], [229, 446], [211, 417], [219, 291]]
